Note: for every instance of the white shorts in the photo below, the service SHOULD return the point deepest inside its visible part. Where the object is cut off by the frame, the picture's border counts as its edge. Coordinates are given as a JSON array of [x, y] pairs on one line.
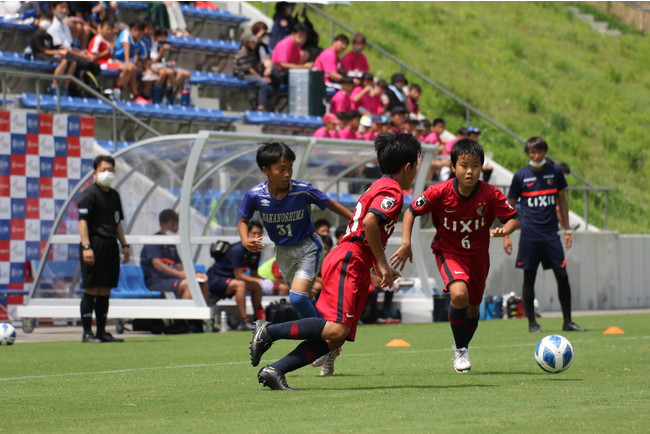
[[302, 260]]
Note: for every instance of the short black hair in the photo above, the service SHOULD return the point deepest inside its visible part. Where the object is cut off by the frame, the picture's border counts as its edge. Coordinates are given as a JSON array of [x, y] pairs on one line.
[[167, 215], [353, 114], [463, 131], [138, 25], [437, 121], [416, 87], [340, 231], [327, 241], [322, 222], [341, 37], [299, 28], [466, 147], [255, 224], [271, 152], [394, 150], [536, 144], [160, 32], [101, 158], [358, 37]]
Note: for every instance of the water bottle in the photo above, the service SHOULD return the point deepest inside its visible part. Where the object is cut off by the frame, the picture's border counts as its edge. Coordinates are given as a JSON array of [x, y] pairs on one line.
[[224, 321], [185, 95]]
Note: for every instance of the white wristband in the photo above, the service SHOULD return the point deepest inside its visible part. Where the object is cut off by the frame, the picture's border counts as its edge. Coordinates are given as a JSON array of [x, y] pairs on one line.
[[568, 232]]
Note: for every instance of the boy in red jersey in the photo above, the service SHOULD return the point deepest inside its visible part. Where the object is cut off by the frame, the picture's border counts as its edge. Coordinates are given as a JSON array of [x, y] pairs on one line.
[[462, 210], [346, 270]]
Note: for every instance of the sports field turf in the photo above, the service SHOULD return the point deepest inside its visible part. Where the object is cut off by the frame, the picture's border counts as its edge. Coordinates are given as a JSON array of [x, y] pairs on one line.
[[205, 383]]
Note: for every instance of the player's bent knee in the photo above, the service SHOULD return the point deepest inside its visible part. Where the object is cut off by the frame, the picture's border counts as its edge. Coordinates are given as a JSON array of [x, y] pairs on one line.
[[334, 331]]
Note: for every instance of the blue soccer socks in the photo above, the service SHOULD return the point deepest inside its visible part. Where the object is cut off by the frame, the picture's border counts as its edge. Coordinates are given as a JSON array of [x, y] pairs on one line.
[[300, 301]]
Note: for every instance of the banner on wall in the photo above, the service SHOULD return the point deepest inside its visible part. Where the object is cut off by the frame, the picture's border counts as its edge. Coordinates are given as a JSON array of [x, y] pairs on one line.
[[42, 158]]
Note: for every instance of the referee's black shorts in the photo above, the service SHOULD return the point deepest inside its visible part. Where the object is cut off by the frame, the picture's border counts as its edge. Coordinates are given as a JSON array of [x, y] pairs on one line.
[[106, 271]]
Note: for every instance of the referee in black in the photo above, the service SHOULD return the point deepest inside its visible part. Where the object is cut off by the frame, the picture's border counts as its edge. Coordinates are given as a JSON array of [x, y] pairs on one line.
[[100, 217]]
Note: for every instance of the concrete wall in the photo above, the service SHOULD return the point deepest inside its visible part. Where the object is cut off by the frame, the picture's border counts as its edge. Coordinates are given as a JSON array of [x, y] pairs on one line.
[[637, 17]]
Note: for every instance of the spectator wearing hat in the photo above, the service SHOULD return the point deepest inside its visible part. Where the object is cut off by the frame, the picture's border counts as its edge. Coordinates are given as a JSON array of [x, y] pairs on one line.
[[422, 129], [375, 128], [354, 62], [473, 132], [328, 60], [395, 93], [365, 124], [398, 118], [328, 130], [367, 97], [350, 132], [247, 65], [342, 100]]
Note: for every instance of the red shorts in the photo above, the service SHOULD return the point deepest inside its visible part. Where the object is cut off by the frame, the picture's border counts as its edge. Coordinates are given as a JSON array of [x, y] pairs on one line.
[[473, 270], [346, 279]]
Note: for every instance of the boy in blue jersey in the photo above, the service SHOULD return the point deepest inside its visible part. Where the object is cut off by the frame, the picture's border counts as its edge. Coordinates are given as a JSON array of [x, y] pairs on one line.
[[284, 207], [540, 188]]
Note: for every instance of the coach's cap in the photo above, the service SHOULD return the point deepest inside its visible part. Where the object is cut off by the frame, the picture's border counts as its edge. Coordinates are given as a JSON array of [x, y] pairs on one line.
[[365, 121], [331, 118], [474, 130]]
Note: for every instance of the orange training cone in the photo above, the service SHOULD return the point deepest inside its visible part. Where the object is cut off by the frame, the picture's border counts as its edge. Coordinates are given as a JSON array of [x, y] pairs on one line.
[[613, 331], [398, 343]]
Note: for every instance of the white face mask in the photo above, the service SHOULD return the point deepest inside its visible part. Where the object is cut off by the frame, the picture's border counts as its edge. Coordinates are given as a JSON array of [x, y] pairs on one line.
[[168, 232], [44, 24], [106, 178], [537, 165], [61, 16]]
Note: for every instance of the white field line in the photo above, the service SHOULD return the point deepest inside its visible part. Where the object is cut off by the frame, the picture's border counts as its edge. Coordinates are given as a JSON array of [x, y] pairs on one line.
[[203, 365]]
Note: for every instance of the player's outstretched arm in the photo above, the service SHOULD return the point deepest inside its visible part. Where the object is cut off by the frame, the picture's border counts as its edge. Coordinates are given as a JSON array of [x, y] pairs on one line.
[[339, 209], [509, 227], [253, 245], [404, 253], [372, 230]]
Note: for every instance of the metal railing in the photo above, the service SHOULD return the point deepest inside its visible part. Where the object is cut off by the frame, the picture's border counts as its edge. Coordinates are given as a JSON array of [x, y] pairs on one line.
[[5, 73]]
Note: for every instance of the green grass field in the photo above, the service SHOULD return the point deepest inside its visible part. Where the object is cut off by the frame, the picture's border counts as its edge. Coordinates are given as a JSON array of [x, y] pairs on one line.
[[204, 383]]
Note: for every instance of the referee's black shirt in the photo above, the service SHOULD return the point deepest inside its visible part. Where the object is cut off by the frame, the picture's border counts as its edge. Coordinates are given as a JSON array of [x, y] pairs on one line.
[[102, 210]]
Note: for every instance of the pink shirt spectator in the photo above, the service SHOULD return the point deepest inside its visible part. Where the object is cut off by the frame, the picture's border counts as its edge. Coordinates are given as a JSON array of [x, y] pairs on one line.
[[352, 61], [449, 145], [324, 134], [432, 139], [286, 52], [347, 134], [370, 136], [328, 62], [341, 102], [373, 104]]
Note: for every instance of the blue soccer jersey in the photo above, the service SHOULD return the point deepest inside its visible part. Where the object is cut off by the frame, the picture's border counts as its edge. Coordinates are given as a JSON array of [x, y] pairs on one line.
[[288, 220], [537, 193]]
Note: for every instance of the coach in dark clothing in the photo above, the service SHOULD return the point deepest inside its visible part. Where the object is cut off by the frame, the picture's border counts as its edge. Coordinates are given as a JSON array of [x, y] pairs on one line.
[[100, 217]]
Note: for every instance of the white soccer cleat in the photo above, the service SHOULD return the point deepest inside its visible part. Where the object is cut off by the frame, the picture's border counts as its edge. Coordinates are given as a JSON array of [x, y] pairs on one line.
[[327, 368], [461, 360]]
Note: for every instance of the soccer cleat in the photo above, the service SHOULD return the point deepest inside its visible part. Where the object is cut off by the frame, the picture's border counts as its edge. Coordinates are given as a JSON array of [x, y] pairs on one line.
[[572, 327], [319, 361], [261, 341], [245, 326], [88, 338], [107, 337], [328, 364], [461, 360], [533, 327], [272, 378]]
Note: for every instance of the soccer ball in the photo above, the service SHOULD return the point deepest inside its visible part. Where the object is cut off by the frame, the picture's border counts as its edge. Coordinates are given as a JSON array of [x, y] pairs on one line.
[[554, 354], [7, 334]]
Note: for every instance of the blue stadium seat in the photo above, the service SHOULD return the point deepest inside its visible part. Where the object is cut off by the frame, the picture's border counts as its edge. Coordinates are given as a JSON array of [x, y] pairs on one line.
[[17, 60], [218, 79], [134, 6], [9, 24], [131, 284], [210, 14], [282, 119], [203, 44]]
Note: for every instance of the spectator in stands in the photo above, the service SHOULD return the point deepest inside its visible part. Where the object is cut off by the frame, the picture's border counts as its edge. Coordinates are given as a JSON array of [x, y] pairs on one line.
[[367, 97], [81, 21], [422, 130], [171, 79], [414, 93], [247, 65], [100, 227], [350, 132], [437, 128], [177, 24], [329, 61], [375, 128], [398, 118], [105, 11], [487, 169], [260, 29], [229, 276], [329, 128], [340, 232], [354, 62], [283, 22], [102, 47], [365, 125], [410, 123], [162, 266], [322, 227], [395, 93], [311, 48], [130, 51], [461, 133], [342, 100], [286, 55], [43, 49]]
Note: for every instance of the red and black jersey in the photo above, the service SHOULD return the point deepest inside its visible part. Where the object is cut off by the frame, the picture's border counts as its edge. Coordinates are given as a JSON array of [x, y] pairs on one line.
[[385, 199], [462, 222]]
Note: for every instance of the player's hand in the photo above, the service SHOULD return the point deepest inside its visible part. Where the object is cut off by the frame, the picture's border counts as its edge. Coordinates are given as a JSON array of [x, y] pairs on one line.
[[388, 276], [568, 241], [399, 258], [507, 245], [253, 245], [89, 256], [126, 251], [498, 233]]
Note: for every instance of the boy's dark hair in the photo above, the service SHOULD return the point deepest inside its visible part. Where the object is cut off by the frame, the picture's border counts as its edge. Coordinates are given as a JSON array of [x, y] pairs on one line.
[[46, 14], [138, 25], [367, 76], [382, 83], [340, 231], [394, 150], [358, 37], [255, 224], [102, 23], [271, 152], [327, 241], [462, 131], [353, 114], [437, 121], [347, 80], [299, 28], [466, 147], [167, 215], [322, 222], [101, 158], [536, 144], [160, 32], [416, 87], [341, 37]]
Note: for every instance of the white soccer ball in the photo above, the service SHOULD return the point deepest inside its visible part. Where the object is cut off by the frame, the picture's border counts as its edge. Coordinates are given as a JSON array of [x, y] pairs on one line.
[[554, 354], [7, 334]]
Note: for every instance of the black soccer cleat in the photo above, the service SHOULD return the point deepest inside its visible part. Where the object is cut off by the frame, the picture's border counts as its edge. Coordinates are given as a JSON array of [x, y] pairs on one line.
[[107, 337], [533, 327], [572, 327], [273, 379], [88, 338], [261, 341]]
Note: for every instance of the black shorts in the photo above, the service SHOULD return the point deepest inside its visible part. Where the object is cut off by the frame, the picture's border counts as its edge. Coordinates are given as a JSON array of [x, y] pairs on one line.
[[106, 271], [549, 252], [219, 286]]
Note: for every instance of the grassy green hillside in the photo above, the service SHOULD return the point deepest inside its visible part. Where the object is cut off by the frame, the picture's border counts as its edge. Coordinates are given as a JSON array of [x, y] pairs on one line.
[[536, 69]]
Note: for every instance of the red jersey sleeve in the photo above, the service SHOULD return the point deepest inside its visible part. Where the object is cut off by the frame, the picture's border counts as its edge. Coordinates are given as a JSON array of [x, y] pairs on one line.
[[502, 209], [426, 202], [387, 203]]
